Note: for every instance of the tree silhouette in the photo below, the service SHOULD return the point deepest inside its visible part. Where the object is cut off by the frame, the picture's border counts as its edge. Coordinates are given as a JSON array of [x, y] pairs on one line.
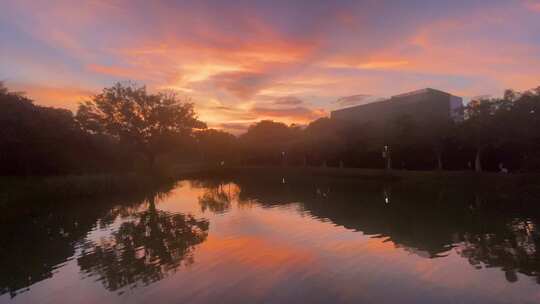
[[151, 123], [117, 127], [268, 142], [522, 122], [208, 142], [480, 128], [436, 137], [39, 140], [324, 140]]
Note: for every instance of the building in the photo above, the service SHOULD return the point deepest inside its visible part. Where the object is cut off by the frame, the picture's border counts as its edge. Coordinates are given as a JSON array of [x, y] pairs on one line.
[[424, 106]]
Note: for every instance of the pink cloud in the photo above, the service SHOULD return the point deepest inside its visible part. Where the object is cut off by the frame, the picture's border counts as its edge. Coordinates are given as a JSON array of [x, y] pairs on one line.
[[533, 5]]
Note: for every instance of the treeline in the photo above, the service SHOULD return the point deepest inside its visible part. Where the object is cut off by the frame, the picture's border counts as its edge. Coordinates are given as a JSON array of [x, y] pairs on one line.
[[496, 134], [122, 129], [126, 128], [37, 140]]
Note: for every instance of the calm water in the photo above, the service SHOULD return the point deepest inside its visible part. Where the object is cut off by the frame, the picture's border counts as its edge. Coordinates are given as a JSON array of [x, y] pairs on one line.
[[274, 239]]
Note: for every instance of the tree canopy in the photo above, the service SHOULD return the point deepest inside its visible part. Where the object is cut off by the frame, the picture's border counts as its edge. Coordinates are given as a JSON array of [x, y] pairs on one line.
[[148, 122]]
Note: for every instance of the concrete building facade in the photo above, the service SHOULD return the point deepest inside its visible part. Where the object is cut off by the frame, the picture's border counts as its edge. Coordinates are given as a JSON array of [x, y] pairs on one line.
[[424, 106]]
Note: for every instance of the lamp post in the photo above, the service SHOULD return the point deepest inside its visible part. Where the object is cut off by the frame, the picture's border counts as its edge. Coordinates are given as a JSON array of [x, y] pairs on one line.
[[386, 154]]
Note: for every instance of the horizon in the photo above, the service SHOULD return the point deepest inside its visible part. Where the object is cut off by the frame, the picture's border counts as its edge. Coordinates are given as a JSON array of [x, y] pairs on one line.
[[245, 62]]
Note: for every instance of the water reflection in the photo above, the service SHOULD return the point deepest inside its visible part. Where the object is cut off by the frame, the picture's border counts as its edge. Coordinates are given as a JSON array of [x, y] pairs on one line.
[[139, 243], [144, 249], [217, 196], [514, 249], [148, 245], [488, 229], [36, 241]]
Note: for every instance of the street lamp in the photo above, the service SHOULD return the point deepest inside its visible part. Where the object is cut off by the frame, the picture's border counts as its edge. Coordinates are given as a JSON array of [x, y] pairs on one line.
[[386, 154]]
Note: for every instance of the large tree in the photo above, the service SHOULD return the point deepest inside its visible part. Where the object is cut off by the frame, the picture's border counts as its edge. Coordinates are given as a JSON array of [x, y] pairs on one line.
[[523, 123], [435, 136], [480, 129], [268, 142], [151, 123], [216, 145], [324, 140]]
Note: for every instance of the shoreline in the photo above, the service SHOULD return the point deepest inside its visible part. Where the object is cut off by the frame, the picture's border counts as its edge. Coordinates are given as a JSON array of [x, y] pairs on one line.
[[362, 173], [14, 189]]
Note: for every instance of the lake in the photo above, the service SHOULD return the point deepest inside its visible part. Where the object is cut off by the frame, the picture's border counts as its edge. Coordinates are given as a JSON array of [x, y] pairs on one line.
[[269, 238]]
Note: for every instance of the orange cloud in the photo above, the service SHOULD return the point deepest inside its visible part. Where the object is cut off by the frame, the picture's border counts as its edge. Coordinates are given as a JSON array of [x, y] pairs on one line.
[[61, 97], [368, 65], [295, 113]]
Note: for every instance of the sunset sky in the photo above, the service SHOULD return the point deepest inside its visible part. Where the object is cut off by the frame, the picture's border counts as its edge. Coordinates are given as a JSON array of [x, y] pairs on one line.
[[292, 61]]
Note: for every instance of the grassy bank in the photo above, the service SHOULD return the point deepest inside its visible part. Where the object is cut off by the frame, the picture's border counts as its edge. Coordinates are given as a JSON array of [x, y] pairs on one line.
[[488, 181], [15, 189]]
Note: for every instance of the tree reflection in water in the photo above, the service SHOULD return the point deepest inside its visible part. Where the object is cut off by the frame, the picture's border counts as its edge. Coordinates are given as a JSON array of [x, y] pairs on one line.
[[431, 221], [489, 229], [145, 249], [217, 197], [148, 245], [514, 250], [34, 248]]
